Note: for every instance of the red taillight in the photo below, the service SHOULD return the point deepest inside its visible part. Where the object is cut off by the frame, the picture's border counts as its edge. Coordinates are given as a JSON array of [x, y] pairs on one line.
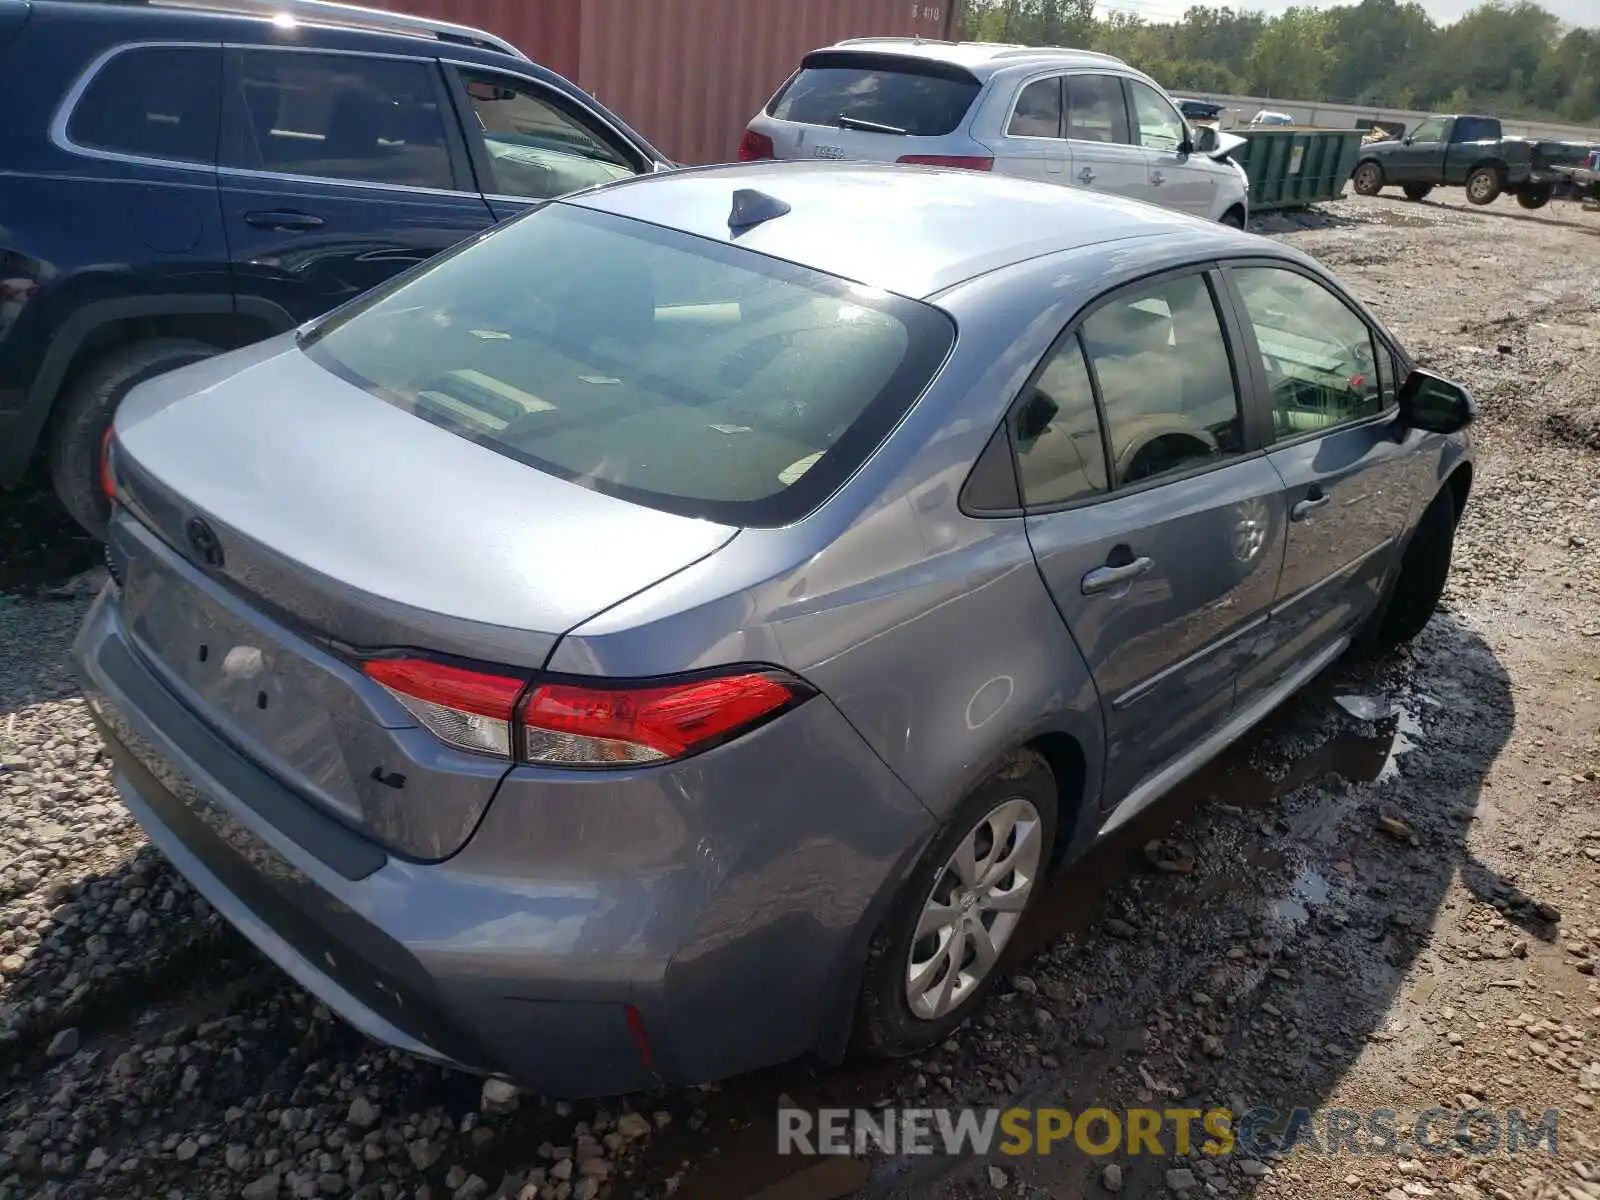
[[583, 725], [108, 482], [967, 162], [594, 726], [469, 709], [755, 146]]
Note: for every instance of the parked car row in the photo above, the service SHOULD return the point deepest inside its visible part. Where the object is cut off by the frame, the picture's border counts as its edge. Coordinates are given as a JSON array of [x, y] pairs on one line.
[[680, 628], [188, 180], [1070, 117]]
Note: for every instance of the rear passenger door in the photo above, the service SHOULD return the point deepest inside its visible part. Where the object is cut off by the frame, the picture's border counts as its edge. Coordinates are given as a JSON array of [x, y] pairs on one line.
[[337, 172], [1347, 467], [1034, 145], [1157, 526], [1184, 181], [528, 142], [1100, 139]]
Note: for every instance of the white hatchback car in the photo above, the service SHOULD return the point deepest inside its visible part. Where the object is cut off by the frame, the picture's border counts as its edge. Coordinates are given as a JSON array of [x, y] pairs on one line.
[[1071, 117]]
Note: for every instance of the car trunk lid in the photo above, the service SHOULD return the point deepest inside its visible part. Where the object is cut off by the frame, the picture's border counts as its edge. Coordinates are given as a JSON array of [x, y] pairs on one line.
[[288, 522]]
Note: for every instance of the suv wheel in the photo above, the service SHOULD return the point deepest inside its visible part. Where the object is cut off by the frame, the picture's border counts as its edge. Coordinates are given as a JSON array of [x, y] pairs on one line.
[[1233, 218], [936, 955], [83, 414]]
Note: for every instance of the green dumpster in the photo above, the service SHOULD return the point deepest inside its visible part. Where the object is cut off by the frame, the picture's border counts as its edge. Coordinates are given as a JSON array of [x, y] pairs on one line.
[[1289, 166]]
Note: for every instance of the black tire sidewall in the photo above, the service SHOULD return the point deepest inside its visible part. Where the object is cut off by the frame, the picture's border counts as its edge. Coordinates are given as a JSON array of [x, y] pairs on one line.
[[1424, 568], [884, 1023], [1377, 172], [83, 413], [1418, 191]]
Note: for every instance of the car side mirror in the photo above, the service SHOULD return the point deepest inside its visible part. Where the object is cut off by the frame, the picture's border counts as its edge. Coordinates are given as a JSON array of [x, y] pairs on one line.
[[1205, 140], [1035, 417], [1406, 140], [1435, 405]]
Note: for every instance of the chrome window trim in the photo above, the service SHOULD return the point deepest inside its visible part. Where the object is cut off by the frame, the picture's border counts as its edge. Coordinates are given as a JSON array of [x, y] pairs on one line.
[[343, 181], [69, 104]]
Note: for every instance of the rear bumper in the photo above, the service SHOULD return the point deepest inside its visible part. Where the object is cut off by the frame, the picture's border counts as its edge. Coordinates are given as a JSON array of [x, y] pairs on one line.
[[729, 903]]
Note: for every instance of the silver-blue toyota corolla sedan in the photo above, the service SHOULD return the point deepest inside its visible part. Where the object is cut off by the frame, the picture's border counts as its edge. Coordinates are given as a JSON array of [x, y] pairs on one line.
[[677, 630]]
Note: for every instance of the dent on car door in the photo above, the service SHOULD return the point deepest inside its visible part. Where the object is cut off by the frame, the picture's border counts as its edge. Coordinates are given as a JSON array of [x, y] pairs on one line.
[[1329, 382], [1183, 181], [337, 172], [528, 143], [1157, 531], [1100, 139]]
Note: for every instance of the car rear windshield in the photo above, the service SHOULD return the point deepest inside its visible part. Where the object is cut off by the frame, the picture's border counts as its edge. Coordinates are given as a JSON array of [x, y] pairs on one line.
[[908, 95], [666, 369]]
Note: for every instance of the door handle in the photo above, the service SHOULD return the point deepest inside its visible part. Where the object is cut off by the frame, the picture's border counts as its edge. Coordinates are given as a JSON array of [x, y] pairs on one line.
[[1157, 178], [1086, 176], [1309, 505], [286, 219], [1104, 579]]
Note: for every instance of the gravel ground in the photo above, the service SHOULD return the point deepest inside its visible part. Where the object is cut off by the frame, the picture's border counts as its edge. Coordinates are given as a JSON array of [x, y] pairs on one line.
[[1396, 911]]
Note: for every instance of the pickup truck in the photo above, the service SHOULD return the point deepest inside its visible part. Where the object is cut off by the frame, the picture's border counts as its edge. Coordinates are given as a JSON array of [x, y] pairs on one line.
[[1463, 151]]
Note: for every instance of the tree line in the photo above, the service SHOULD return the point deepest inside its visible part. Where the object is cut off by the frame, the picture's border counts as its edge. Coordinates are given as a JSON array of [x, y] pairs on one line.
[[1511, 58]]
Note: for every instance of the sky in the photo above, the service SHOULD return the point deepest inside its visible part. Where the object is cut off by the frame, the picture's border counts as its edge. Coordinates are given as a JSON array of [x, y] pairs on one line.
[[1573, 12]]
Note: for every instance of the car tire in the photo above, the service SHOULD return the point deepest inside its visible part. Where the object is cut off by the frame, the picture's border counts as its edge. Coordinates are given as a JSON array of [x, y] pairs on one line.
[[83, 413], [1484, 185], [1414, 596], [886, 1024], [1367, 179], [1233, 218], [1535, 196], [1417, 191]]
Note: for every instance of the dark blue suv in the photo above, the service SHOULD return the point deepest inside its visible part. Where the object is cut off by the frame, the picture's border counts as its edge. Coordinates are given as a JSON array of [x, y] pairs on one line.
[[185, 180]]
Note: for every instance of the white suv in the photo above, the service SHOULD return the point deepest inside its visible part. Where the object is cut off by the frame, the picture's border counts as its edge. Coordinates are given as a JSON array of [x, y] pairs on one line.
[[1062, 116]]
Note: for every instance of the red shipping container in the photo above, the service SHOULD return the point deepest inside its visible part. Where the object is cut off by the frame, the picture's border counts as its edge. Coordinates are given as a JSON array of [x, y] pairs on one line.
[[688, 74]]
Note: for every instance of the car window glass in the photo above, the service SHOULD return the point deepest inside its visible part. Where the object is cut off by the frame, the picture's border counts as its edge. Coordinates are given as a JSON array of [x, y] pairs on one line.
[[1038, 111], [1475, 129], [535, 149], [1428, 131], [1096, 111], [671, 370], [340, 116], [1165, 379], [1318, 354], [1160, 127], [154, 101], [925, 99], [1056, 432]]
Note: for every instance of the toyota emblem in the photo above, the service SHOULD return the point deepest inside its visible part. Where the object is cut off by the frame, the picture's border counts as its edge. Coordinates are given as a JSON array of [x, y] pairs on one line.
[[203, 540]]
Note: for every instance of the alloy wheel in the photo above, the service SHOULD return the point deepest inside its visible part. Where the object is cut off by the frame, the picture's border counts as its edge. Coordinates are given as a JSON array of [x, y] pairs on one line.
[[976, 903]]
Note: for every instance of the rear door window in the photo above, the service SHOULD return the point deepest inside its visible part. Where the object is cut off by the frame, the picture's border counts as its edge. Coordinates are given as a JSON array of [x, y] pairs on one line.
[[899, 95], [339, 116], [535, 147], [1096, 110], [1038, 111], [153, 102], [670, 370]]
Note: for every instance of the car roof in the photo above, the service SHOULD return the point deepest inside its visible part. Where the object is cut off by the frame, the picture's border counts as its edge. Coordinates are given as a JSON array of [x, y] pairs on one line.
[[915, 231], [323, 17], [981, 59]]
